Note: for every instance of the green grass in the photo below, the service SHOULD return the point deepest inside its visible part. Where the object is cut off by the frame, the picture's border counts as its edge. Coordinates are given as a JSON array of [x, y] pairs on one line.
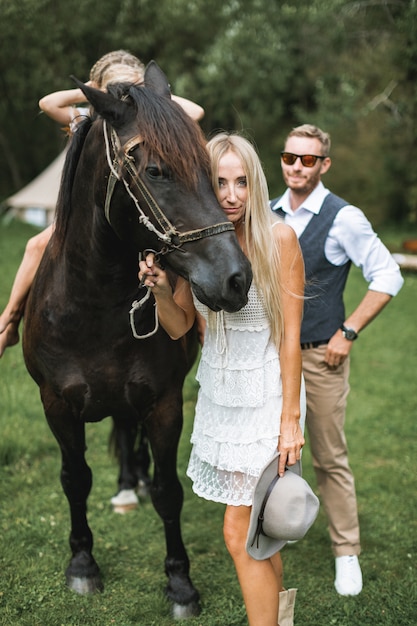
[[34, 526]]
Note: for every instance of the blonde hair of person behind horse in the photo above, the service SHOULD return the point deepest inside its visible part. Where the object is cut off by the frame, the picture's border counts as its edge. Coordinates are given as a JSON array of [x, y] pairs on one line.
[[120, 73], [119, 57], [114, 67], [262, 250]]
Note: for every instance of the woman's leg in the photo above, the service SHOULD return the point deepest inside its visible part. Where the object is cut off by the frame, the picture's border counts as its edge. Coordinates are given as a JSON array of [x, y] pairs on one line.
[[12, 314], [260, 581]]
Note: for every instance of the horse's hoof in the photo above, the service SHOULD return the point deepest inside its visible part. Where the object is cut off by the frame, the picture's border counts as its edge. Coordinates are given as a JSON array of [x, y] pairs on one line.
[[85, 586], [185, 611], [126, 500]]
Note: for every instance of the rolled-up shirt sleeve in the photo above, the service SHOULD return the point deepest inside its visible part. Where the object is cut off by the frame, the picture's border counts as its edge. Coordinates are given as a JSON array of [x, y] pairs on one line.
[[352, 237]]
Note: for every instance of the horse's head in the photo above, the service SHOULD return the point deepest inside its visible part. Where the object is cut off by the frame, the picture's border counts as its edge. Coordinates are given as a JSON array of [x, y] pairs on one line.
[[159, 194]]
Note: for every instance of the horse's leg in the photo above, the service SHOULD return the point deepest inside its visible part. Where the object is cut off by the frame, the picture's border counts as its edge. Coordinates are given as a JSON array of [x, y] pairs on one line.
[[164, 430], [82, 573]]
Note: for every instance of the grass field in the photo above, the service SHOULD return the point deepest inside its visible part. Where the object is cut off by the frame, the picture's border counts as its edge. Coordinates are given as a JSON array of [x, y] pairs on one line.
[[34, 525]]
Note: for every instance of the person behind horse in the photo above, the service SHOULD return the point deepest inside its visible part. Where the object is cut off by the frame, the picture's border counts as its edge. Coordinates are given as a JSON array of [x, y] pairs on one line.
[[64, 107], [332, 234], [240, 423]]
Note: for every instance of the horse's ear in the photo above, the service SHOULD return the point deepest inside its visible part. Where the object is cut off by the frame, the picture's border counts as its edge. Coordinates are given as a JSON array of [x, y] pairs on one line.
[[115, 111], [156, 80]]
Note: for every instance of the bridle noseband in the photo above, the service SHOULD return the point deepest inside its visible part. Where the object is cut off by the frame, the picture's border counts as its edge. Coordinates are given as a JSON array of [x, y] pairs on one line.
[[166, 232]]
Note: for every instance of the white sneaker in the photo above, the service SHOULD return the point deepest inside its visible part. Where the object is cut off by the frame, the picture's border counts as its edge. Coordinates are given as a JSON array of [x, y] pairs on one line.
[[348, 581]]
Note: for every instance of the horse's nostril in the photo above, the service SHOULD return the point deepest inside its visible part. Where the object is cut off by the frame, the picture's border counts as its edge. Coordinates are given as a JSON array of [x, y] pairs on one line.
[[238, 284]]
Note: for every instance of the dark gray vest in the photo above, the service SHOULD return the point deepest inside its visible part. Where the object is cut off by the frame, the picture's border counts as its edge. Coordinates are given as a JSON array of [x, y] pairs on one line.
[[324, 310]]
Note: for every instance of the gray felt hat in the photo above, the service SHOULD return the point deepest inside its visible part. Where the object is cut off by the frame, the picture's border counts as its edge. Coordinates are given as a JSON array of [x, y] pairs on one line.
[[283, 510]]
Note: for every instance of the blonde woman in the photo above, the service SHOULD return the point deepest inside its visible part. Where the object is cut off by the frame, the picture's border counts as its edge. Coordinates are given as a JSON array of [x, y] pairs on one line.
[[69, 107], [250, 369]]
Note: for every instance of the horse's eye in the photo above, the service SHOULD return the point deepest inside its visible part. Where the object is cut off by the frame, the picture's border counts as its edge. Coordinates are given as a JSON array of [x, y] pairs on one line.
[[154, 173]]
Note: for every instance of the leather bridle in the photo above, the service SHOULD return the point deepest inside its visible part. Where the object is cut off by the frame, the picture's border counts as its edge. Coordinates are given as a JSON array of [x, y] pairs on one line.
[[166, 232]]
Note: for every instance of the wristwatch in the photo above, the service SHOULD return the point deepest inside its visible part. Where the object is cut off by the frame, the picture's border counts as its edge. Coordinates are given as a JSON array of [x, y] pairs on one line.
[[349, 333]]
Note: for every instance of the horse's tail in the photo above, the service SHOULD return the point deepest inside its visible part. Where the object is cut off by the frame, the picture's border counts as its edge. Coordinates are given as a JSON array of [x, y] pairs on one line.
[[137, 440]]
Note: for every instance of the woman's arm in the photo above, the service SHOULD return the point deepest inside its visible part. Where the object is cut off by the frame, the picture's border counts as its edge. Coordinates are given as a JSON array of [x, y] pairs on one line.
[[292, 277], [195, 111], [59, 105], [176, 311]]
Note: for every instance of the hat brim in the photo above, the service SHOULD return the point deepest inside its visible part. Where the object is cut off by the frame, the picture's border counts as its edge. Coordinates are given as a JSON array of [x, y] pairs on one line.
[[261, 546]]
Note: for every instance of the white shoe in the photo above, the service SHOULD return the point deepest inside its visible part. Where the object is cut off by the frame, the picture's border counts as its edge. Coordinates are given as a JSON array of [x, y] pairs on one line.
[[348, 581]]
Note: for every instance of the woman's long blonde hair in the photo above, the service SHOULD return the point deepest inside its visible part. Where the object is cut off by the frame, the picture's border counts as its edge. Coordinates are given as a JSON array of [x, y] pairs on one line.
[[261, 245]]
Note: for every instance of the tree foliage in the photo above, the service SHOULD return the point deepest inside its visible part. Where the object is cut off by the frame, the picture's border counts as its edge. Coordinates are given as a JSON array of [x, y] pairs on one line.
[[257, 66]]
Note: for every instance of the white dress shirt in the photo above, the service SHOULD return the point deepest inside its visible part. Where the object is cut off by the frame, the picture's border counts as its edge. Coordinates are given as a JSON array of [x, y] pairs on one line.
[[351, 236]]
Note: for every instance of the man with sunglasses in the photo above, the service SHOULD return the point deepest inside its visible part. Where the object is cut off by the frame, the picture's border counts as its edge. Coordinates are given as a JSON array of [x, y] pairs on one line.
[[332, 235]]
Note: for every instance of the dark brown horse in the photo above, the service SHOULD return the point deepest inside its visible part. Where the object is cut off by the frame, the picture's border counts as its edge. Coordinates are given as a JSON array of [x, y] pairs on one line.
[[135, 178]]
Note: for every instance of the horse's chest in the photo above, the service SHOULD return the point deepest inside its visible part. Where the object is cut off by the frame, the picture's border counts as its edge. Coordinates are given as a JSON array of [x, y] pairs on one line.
[[95, 393]]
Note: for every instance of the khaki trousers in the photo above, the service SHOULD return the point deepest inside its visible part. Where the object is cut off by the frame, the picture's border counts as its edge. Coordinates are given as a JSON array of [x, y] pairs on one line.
[[327, 390]]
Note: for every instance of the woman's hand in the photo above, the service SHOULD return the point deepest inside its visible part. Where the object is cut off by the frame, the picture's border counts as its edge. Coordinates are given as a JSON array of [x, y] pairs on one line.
[[290, 442], [153, 276], [176, 310]]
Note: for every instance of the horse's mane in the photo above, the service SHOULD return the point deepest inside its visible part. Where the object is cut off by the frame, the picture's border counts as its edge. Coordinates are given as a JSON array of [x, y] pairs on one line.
[[169, 136], [63, 206]]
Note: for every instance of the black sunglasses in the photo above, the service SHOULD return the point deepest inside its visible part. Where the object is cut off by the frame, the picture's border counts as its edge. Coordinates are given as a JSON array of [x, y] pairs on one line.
[[308, 160]]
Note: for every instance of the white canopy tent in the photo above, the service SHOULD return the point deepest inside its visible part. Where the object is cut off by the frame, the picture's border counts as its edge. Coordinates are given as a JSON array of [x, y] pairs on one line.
[[36, 202]]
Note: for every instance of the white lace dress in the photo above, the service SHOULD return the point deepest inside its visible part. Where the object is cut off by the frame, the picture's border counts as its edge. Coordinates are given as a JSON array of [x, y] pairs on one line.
[[237, 415]]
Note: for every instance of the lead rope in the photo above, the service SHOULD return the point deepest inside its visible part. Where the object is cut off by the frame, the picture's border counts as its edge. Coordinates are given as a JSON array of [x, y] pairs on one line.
[[136, 305]]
